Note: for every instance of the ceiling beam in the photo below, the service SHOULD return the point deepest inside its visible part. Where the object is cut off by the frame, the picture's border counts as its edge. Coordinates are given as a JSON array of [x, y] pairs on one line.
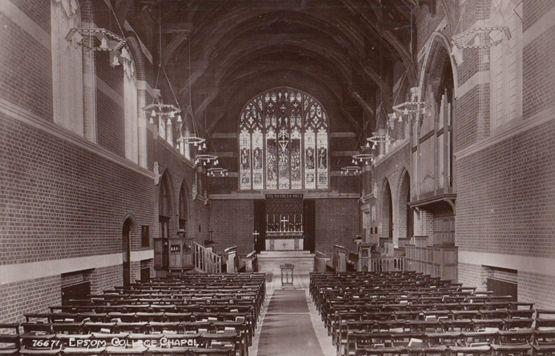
[[365, 106], [375, 77], [386, 35], [402, 11], [178, 27], [176, 41]]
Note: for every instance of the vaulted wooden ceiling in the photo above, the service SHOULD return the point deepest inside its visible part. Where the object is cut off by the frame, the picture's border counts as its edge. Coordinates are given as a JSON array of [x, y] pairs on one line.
[[341, 51]]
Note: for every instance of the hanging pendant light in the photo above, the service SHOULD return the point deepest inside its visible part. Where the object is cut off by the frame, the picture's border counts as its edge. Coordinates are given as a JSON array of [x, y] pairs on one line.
[[217, 172], [114, 60], [104, 43]]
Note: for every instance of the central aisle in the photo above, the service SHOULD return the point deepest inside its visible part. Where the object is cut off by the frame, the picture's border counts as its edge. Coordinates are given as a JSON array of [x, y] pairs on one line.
[[287, 327]]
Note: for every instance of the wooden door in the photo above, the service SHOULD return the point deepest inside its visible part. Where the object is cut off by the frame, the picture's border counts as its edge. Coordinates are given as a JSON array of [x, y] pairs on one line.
[[126, 252]]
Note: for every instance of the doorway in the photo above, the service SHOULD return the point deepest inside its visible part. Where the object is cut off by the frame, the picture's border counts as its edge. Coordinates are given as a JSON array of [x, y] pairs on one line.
[[126, 251]]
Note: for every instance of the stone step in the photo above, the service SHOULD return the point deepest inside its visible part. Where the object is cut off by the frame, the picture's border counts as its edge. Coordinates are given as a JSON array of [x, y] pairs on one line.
[[270, 261], [285, 254]]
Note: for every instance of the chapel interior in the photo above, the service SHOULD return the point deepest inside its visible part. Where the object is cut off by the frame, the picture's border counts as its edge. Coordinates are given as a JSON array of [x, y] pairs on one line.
[[277, 177]]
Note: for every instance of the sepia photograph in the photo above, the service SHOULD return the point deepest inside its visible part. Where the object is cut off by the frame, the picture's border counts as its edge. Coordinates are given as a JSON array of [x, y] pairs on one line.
[[277, 177]]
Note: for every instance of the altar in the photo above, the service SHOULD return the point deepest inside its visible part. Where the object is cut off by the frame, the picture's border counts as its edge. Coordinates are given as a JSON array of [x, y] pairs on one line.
[[284, 241], [284, 223]]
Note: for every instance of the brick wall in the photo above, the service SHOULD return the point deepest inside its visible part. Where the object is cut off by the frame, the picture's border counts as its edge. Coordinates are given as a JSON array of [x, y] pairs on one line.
[[532, 287], [106, 278], [109, 124], [505, 203], [466, 123], [26, 75], [29, 297], [470, 275], [337, 222], [538, 82], [534, 10], [537, 289], [233, 224], [391, 169], [62, 197], [135, 271], [180, 173], [37, 10]]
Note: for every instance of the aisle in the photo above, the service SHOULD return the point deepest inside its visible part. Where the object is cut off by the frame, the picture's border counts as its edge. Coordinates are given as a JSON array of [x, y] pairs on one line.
[[287, 326]]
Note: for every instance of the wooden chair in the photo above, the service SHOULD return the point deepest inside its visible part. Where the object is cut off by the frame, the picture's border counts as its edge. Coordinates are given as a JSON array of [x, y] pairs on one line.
[[471, 349], [382, 350], [81, 351], [9, 339], [129, 350], [544, 342], [513, 342]]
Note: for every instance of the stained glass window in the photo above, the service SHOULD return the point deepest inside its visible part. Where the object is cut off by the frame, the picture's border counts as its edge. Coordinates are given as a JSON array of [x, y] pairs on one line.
[[283, 142]]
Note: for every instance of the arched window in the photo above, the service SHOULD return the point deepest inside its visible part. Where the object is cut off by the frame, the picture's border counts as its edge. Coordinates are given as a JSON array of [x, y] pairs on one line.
[[387, 212], [283, 142]]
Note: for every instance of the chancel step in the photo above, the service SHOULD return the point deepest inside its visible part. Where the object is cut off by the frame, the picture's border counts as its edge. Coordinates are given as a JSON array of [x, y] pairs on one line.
[[270, 261]]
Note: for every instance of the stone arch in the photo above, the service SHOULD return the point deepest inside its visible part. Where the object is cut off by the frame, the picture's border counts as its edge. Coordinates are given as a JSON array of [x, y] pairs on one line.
[[438, 86], [137, 56], [438, 54], [166, 220], [165, 204], [405, 222], [276, 124], [387, 211], [129, 231], [184, 206]]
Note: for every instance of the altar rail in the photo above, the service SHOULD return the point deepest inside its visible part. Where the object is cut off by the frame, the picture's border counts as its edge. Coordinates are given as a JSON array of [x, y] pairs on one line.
[[205, 260], [387, 264]]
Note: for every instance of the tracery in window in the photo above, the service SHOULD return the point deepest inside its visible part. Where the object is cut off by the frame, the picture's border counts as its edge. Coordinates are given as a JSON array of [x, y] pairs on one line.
[[283, 142]]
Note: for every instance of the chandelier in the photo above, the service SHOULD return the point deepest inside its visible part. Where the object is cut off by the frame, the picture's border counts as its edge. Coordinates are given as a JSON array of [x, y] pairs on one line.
[[365, 158], [161, 111], [103, 40], [96, 39], [193, 140], [206, 159], [481, 37], [217, 172], [413, 106], [350, 171], [376, 138]]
